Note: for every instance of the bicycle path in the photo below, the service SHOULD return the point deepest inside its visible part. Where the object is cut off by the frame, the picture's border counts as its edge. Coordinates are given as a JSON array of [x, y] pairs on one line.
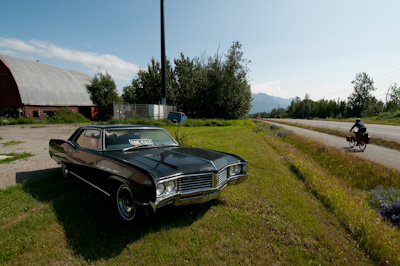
[[385, 156]]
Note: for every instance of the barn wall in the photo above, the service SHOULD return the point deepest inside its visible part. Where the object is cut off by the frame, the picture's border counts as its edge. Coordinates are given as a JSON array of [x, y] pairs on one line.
[[44, 111], [9, 95]]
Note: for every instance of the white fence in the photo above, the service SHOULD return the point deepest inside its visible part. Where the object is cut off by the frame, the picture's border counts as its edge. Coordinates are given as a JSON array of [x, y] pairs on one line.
[[151, 111]]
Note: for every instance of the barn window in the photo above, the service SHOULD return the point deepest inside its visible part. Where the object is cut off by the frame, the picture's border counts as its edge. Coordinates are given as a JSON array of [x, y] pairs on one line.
[[36, 113]]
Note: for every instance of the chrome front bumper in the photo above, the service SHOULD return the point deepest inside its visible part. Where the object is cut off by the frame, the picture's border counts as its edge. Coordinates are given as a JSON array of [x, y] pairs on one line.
[[193, 197]]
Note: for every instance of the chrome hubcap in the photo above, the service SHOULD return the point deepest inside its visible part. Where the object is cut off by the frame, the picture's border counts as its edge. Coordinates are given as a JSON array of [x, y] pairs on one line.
[[125, 203]]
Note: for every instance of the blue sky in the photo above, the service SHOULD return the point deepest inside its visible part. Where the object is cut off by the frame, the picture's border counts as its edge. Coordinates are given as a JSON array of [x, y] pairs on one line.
[[295, 47]]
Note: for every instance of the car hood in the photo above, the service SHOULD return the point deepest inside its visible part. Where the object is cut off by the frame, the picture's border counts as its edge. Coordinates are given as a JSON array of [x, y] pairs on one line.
[[162, 162]]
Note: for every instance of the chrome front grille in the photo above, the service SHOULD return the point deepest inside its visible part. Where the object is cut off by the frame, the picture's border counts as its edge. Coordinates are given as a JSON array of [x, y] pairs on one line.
[[200, 182], [222, 177], [195, 183]]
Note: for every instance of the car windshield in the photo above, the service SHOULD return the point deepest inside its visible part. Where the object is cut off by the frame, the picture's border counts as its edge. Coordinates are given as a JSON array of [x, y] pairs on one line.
[[121, 139]]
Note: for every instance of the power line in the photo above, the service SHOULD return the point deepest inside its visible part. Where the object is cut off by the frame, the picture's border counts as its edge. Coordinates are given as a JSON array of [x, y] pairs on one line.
[[332, 93], [388, 73], [390, 77]]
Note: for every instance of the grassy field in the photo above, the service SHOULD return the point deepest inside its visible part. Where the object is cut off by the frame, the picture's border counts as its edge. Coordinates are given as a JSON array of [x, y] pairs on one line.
[[292, 210]]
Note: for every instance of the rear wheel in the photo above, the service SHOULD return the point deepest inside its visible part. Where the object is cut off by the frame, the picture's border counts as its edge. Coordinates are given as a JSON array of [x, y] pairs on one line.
[[362, 146], [126, 207], [352, 142]]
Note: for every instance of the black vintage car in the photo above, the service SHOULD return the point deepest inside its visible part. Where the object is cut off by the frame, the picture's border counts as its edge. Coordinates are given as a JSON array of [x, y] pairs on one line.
[[143, 166]]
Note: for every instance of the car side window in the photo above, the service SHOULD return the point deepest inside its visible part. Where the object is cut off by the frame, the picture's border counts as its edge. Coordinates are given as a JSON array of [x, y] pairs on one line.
[[90, 138]]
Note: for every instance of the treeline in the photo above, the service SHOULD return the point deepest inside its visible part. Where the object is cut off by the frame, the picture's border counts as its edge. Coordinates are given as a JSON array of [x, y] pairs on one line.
[[213, 87], [361, 103]]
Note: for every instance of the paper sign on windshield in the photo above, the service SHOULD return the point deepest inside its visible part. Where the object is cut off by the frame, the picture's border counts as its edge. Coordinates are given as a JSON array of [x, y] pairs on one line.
[[141, 142]]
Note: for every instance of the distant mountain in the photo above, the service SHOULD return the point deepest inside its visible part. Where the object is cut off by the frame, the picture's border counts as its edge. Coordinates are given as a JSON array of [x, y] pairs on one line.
[[264, 103]]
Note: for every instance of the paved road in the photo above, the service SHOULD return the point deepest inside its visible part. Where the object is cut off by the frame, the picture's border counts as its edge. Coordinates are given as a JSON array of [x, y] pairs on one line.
[[378, 131], [374, 153]]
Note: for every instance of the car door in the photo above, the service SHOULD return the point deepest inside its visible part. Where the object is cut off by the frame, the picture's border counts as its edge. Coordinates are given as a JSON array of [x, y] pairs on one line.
[[87, 153]]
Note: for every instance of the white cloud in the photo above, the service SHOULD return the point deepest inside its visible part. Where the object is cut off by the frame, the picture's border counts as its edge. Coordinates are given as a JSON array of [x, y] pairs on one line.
[[272, 88], [7, 52], [115, 66]]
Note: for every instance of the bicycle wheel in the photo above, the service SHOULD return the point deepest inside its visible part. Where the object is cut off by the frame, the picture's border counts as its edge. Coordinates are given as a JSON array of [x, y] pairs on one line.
[[352, 143], [362, 146]]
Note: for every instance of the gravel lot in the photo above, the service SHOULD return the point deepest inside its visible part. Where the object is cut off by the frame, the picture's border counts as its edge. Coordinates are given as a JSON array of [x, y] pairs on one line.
[[35, 140]]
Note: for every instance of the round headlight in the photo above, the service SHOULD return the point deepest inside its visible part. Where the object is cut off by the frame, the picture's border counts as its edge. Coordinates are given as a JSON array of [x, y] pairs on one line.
[[236, 169], [160, 189], [170, 186]]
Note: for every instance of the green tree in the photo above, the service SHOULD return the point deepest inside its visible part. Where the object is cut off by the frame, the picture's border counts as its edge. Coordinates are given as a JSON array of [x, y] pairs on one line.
[[103, 93], [147, 85], [203, 88], [129, 94], [187, 75], [235, 93], [307, 107], [361, 98], [209, 94], [294, 110], [374, 108], [393, 98], [342, 106]]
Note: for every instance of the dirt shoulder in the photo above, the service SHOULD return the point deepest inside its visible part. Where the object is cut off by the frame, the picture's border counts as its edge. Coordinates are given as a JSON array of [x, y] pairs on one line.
[[35, 140]]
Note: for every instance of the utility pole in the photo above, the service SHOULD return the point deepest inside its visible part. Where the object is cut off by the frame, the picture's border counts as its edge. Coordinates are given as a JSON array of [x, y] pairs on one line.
[[163, 72]]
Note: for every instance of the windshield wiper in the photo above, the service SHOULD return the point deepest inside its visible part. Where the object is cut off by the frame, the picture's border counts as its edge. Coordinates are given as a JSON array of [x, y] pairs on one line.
[[138, 147], [130, 148], [150, 146]]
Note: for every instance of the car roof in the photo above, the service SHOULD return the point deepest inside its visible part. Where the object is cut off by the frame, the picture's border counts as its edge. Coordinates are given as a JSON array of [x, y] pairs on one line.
[[176, 112], [118, 126]]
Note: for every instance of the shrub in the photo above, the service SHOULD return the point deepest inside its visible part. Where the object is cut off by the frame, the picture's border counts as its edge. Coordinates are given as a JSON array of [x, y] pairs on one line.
[[4, 121], [66, 116], [24, 120]]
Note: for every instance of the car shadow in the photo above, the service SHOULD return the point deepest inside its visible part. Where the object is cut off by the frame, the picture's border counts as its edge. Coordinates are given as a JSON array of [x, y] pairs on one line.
[[91, 229], [20, 177]]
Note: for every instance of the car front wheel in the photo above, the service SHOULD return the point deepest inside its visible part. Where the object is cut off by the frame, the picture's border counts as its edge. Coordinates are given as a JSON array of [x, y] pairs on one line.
[[64, 171], [126, 207]]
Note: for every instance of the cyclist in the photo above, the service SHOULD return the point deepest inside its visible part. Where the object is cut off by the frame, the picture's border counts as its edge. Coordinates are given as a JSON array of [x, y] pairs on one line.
[[361, 127]]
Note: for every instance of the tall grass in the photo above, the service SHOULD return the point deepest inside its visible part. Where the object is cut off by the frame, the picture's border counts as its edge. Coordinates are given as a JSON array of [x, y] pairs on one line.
[[338, 181], [357, 172]]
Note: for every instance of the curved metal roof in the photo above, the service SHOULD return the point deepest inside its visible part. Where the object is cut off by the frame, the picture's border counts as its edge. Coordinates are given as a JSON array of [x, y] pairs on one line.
[[41, 84]]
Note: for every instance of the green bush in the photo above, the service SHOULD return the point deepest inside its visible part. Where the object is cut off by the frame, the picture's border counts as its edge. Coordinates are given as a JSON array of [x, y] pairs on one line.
[[66, 116]]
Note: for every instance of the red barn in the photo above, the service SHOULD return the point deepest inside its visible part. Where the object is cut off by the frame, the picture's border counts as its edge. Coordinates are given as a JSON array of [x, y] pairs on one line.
[[34, 89]]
